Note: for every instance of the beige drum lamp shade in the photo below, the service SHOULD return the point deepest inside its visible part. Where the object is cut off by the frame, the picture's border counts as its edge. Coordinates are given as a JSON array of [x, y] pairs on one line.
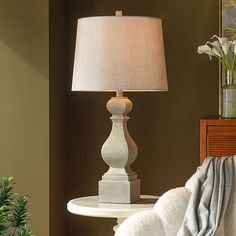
[[119, 53]]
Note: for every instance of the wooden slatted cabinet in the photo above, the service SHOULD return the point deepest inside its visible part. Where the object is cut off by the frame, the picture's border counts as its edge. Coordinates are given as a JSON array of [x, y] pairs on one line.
[[217, 137]]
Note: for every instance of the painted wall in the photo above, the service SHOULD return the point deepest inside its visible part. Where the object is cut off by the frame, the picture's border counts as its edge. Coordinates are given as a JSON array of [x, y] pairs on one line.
[[164, 125], [24, 103], [57, 103]]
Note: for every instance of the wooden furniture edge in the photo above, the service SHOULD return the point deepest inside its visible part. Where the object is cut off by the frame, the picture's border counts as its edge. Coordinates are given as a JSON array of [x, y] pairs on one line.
[[203, 148], [216, 121], [204, 123]]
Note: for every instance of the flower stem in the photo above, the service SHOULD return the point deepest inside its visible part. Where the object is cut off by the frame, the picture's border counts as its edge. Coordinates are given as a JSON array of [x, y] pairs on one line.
[[233, 67]]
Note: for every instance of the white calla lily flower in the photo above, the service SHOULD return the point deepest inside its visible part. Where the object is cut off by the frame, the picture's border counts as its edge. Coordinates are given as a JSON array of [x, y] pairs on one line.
[[215, 52], [216, 47], [205, 49], [220, 39], [234, 46], [224, 42], [226, 47], [225, 51]]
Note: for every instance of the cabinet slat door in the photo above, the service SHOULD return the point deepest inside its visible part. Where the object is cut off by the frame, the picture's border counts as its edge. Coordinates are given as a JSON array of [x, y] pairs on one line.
[[221, 140], [218, 138]]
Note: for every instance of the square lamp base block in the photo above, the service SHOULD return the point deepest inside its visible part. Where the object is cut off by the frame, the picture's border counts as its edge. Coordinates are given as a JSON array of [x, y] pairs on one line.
[[119, 191]]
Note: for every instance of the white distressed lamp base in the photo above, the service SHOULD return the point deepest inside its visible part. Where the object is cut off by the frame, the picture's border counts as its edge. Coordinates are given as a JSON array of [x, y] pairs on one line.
[[119, 184], [119, 191]]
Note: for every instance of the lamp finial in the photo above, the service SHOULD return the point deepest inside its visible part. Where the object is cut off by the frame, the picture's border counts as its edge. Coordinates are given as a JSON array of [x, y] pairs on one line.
[[119, 13]]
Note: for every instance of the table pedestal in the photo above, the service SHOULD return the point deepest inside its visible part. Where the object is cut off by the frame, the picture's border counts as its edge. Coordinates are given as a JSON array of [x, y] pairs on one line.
[[119, 222]]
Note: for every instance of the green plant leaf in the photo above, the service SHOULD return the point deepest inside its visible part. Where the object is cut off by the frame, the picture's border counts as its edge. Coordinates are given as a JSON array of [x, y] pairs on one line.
[[19, 215], [6, 192], [13, 210]]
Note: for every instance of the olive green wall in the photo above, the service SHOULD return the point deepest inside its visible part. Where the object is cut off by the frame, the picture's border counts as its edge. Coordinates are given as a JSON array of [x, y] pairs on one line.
[[164, 125], [24, 103]]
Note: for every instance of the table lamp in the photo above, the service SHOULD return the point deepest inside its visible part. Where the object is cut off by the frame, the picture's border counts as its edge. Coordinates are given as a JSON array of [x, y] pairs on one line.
[[119, 54]]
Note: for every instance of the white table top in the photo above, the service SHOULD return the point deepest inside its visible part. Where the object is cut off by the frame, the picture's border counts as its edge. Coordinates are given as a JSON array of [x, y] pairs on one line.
[[89, 206]]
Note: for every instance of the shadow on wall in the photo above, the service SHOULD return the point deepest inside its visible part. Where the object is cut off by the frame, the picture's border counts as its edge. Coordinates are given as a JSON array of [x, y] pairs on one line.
[[24, 31]]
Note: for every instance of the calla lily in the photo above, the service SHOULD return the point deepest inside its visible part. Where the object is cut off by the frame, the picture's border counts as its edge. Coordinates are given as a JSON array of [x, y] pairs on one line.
[[205, 49], [234, 46], [224, 42], [216, 52], [225, 51], [216, 47]]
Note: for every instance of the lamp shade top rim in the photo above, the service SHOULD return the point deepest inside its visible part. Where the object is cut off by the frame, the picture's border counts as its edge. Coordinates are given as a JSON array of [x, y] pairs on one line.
[[119, 17]]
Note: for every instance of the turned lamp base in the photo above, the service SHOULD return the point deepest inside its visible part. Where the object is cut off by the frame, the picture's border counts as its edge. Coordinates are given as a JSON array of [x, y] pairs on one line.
[[119, 191], [119, 184]]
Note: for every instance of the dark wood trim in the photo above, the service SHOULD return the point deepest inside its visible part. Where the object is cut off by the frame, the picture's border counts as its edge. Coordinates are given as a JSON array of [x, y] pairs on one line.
[[202, 140]]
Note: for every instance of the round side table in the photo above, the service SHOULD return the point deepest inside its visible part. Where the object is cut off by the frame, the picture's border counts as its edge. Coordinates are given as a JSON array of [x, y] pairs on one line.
[[89, 206]]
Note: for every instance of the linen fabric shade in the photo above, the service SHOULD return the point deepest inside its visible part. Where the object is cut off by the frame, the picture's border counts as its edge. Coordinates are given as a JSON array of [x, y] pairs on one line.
[[119, 53]]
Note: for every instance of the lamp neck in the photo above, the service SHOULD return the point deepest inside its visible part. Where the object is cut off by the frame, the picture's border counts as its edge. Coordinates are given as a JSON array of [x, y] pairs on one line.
[[119, 93]]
